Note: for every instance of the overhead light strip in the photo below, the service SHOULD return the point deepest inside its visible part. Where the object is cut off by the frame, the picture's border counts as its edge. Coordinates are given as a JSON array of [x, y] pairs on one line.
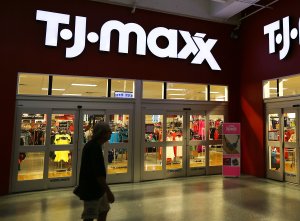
[[85, 85]]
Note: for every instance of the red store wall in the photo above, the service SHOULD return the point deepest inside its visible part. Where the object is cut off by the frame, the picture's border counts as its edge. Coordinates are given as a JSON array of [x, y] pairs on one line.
[[258, 65], [23, 50]]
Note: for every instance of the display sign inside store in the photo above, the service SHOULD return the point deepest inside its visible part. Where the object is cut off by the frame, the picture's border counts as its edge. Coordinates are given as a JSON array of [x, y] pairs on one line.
[[281, 32], [122, 94], [194, 45]]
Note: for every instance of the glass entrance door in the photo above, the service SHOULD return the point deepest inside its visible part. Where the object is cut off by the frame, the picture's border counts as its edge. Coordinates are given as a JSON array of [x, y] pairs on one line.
[[181, 144], [175, 163], [117, 151], [197, 145], [44, 149], [153, 145], [291, 146], [274, 144]]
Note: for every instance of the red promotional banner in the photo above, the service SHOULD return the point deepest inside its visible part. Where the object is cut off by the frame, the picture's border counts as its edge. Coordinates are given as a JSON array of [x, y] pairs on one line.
[[231, 150]]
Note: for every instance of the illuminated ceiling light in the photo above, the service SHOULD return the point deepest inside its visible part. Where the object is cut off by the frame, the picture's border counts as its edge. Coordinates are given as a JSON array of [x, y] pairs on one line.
[[214, 92], [176, 89], [72, 94], [178, 98], [273, 88], [85, 85], [54, 89]]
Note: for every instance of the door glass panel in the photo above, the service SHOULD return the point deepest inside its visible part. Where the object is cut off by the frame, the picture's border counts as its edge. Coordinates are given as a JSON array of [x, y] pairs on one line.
[[215, 127], [60, 164], [174, 157], [215, 155], [62, 129], [33, 129], [289, 127], [153, 128], [153, 159], [197, 156], [197, 127], [290, 159], [89, 120], [274, 126], [117, 161], [30, 166], [274, 158], [174, 127], [119, 124]]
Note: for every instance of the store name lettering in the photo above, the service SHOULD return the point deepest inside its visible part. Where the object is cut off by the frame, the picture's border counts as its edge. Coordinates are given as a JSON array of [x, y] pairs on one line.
[[195, 45], [287, 33]]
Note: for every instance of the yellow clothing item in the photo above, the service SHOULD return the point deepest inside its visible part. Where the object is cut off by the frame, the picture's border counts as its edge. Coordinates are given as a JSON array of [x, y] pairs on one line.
[[61, 139], [62, 155]]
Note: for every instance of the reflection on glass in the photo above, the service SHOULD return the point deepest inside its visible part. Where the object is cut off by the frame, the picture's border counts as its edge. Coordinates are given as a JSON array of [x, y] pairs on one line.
[[290, 127], [119, 124], [215, 155], [62, 129], [153, 159], [60, 164], [79, 86], [174, 127], [153, 90], [270, 88], [117, 161], [181, 91], [290, 160], [89, 120], [173, 157], [33, 129], [197, 156], [122, 88], [274, 158], [215, 127], [197, 127], [218, 93], [274, 126], [153, 128], [33, 84], [30, 166]]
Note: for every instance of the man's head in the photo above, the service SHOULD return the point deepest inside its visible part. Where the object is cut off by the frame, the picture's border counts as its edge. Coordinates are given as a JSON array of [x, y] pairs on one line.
[[101, 132]]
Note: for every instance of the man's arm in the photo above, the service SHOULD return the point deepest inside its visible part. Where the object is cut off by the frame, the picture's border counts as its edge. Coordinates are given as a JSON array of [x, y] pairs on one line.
[[102, 182]]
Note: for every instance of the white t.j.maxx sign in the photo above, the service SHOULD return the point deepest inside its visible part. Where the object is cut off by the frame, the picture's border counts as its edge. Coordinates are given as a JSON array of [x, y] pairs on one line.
[[195, 45], [284, 37]]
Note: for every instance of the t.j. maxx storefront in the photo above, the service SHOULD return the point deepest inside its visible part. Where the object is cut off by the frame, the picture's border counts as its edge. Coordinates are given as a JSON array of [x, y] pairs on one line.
[[164, 83]]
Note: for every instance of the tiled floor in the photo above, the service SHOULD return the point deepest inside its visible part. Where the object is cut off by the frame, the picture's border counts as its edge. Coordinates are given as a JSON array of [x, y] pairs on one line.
[[207, 198]]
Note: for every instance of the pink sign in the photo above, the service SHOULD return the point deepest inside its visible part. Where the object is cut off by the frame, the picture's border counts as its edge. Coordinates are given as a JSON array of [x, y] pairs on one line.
[[231, 150], [231, 128]]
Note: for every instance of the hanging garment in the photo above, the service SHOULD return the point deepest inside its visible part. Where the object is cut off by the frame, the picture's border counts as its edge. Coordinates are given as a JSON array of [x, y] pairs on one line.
[[62, 139], [62, 155]]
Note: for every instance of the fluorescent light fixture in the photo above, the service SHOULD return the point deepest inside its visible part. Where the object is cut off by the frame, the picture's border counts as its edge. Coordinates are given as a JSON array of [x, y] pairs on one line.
[[177, 94], [54, 89], [72, 94], [273, 88], [176, 89], [85, 85], [215, 92], [177, 98]]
